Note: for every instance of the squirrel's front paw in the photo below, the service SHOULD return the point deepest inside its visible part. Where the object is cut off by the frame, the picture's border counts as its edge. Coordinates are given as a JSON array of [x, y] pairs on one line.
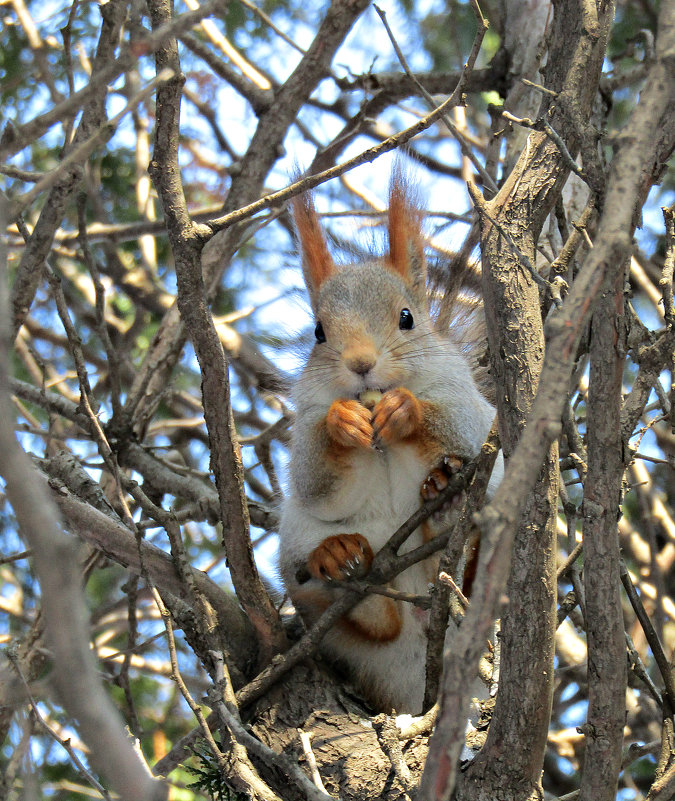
[[438, 478], [348, 424], [397, 416], [341, 556]]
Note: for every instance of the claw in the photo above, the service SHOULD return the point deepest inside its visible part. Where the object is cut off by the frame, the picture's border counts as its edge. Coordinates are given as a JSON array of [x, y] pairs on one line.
[[452, 463], [438, 478], [340, 556]]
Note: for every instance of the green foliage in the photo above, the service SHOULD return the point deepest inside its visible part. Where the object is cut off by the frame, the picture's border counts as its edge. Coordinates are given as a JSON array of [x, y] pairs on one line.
[[632, 20], [448, 36], [115, 174], [12, 67], [209, 778]]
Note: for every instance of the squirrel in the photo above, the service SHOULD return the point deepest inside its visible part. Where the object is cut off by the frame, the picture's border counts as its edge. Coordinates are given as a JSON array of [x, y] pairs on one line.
[[385, 407]]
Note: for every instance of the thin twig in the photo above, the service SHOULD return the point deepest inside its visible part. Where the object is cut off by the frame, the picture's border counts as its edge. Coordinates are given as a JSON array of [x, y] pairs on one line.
[[391, 143], [388, 738], [454, 130], [64, 743], [571, 559], [364, 588], [651, 635], [666, 280], [446, 578], [255, 746], [640, 671], [176, 676], [543, 125], [82, 152], [15, 557], [561, 264], [131, 589], [306, 742], [99, 290]]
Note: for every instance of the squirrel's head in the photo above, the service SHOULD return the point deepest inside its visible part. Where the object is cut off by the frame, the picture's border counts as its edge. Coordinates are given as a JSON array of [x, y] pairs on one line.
[[405, 257], [371, 317]]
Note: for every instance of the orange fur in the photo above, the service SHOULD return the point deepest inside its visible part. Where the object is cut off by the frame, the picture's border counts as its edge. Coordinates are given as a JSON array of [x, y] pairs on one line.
[[339, 557], [348, 425], [331, 558], [438, 478], [317, 262], [401, 417], [435, 482], [427, 530], [405, 234], [362, 623], [398, 416], [382, 626]]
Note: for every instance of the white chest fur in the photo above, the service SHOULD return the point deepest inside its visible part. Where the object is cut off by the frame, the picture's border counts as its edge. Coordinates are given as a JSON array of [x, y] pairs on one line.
[[381, 490]]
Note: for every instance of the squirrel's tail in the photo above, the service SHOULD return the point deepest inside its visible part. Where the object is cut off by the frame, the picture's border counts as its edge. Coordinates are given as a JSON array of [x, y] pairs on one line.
[[456, 307]]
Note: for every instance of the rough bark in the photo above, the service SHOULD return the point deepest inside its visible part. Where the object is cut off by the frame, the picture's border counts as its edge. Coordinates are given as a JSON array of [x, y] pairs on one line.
[[511, 223], [601, 510], [349, 756]]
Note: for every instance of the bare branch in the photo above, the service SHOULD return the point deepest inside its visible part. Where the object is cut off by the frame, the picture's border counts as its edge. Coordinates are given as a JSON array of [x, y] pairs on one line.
[[66, 619], [225, 455]]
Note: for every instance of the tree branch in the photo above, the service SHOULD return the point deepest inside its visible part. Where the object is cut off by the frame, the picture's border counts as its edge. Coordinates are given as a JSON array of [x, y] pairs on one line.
[[601, 505], [225, 456], [55, 555]]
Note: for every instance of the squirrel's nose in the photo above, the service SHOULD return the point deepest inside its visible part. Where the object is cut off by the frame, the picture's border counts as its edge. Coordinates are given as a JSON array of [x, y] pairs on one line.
[[361, 366], [360, 360]]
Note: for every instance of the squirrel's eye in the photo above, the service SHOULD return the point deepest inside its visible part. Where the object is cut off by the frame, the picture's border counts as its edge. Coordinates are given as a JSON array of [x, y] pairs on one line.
[[319, 334], [406, 321]]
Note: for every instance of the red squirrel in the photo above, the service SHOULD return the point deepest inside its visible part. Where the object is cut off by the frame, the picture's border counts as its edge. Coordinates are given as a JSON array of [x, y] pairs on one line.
[[382, 399]]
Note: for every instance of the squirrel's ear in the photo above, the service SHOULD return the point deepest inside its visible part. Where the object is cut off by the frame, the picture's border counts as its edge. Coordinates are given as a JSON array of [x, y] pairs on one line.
[[317, 264], [406, 245]]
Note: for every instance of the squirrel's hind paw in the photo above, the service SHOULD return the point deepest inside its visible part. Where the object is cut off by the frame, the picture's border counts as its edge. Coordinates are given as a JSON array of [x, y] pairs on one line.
[[439, 477], [340, 557]]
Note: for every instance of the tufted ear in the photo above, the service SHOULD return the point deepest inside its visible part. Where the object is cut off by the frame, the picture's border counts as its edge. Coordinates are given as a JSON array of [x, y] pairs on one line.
[[406, 244], [317, 264]]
